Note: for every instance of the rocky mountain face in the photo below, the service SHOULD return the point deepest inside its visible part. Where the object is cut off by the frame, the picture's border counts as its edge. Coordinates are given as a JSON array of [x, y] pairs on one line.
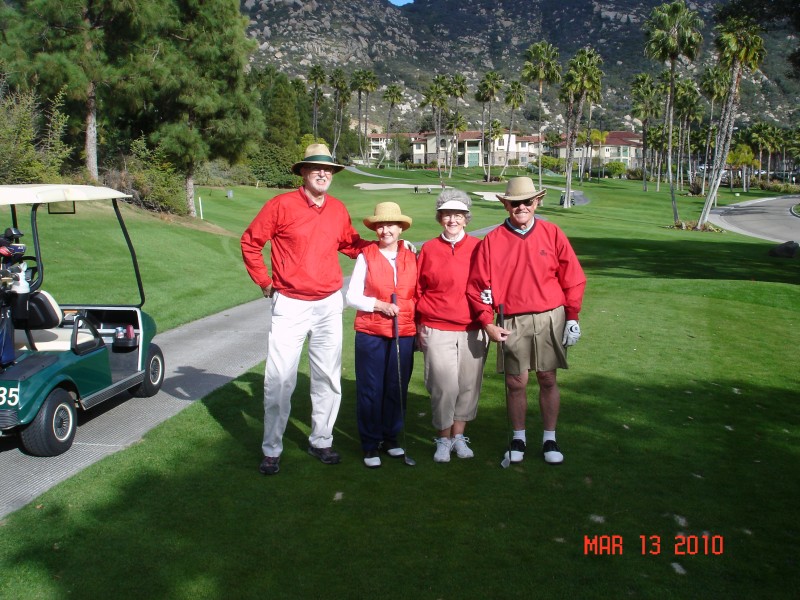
[[408, 45]]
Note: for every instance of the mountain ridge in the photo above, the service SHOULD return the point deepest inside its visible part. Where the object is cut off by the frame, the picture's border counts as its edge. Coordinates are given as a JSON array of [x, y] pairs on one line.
[[409, 44]]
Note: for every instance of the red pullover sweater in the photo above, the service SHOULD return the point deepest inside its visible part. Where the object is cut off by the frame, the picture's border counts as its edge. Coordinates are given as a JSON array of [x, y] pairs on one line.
[[442, 284], [304, 243], [530, 273]]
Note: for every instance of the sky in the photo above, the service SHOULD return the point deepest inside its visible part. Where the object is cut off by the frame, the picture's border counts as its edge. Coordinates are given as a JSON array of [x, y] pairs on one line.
[[400, 2]]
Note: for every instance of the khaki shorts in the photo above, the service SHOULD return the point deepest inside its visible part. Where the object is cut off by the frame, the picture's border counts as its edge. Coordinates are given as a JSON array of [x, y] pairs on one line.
[[534, 343]]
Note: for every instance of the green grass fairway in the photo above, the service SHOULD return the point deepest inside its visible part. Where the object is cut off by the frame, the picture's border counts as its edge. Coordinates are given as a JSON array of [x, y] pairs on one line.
[[680, 426]]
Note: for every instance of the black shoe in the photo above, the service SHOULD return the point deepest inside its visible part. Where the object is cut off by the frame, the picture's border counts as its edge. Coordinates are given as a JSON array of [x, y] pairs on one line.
[[392, 449], [371, 459], [270, 465], [517, 450], [552, 453], [328, 456]]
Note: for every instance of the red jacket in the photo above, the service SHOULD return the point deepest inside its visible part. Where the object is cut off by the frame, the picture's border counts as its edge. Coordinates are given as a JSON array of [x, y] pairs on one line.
[[379, 283], [304, 241], [443, 270]]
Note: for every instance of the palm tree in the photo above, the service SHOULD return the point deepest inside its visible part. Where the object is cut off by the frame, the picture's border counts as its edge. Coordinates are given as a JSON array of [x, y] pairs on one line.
[[436, 97], [759, 134], [393, 94], [341, 98], [514, 98], [688, 109], [740, 48], [597, 138], [672, 32], [646, 106], [457, 124], [316, 77], [483, 96], [713, 84], [772, 144], [358, 82], [541, 65], [582, 78], [493, 83], [456, 89], [370, 84]]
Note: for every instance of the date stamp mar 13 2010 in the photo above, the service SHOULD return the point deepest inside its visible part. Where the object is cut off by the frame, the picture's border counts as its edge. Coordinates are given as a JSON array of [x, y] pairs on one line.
[[653, 545]]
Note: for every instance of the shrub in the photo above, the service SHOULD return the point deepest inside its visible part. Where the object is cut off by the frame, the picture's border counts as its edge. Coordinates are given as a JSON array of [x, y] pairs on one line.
[[150, 179], [220, 173], [780, 188], [272, 166]]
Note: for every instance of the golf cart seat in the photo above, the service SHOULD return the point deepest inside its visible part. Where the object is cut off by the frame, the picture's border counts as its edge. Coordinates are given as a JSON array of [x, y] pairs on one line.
[[42, 326]]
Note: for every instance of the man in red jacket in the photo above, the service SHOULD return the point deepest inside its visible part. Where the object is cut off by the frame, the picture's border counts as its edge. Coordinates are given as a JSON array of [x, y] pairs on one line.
[[305, 228], [527, 265]]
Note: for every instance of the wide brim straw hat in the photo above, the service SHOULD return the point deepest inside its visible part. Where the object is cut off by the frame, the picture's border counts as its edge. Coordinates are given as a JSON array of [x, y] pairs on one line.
[[387, 212], [521, 188], [317, 154]]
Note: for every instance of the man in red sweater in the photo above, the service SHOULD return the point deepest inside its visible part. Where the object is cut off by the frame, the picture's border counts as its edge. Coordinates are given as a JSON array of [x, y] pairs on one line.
[[527, 265], [305, 228]]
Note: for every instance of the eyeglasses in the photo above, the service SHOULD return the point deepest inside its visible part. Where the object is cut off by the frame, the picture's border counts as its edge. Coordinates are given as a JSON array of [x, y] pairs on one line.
[[455, 217], [321, 171], [517, 203]]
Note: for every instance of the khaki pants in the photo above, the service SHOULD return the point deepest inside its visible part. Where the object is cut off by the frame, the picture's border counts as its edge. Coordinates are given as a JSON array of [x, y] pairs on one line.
[[453, 373]]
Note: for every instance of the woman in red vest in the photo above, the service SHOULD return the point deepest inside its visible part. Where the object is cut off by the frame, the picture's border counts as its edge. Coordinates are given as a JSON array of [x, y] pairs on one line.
[[381, 271]]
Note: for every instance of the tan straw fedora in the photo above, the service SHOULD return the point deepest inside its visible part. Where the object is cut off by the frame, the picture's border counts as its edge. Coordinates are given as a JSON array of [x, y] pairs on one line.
[[317, 154], [521, 188], [387, 212]]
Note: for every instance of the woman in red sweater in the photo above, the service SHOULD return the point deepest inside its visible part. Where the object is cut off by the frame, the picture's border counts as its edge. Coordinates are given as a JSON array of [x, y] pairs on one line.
[[381, 272], [450, 336]]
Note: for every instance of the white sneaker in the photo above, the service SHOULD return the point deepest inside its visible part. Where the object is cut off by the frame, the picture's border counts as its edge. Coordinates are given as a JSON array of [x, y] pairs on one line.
[[552, 453], [460, 447], [443, 447], [371, 459]]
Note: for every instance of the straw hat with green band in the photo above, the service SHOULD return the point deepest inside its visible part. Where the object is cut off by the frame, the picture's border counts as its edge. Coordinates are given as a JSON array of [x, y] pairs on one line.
[[317, 154]]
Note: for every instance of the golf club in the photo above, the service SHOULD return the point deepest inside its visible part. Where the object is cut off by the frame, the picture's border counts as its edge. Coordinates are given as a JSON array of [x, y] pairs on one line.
[[506, 462], [406, 458]]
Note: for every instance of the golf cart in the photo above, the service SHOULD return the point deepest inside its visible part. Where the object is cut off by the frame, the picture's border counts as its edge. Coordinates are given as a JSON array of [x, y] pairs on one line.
[[55, 358]]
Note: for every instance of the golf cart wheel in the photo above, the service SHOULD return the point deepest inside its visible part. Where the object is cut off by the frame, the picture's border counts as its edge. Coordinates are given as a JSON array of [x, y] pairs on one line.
[[153, 374], [52, 430]]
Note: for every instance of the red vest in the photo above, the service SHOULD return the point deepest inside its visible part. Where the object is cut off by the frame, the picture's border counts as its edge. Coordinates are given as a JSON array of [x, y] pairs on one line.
[[379, 283]]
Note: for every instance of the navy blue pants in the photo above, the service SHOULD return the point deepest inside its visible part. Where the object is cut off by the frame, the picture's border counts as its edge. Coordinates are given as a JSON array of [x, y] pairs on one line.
[[380, 397]]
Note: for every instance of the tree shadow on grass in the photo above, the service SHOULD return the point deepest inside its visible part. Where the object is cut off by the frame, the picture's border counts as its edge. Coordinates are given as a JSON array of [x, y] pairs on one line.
[[186, 514], [683, 259]]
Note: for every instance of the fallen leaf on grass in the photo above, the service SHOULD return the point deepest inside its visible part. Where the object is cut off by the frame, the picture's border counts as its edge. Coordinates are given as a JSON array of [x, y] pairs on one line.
[[678, 569]]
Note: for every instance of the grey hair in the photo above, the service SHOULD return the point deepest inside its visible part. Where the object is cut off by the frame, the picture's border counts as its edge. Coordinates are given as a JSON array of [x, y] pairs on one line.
[[453, 194]]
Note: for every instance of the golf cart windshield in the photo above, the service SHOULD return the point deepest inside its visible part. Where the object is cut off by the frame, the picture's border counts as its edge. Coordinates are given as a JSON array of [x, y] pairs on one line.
[[61, 198]]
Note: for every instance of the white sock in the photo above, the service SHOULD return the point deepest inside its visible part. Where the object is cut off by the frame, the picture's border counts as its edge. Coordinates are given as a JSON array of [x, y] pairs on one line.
[[519, 435], [548, 435]]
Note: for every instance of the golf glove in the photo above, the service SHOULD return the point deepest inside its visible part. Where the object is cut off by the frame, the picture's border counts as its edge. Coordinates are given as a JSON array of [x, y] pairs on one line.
[[572, 333], [486, 296]]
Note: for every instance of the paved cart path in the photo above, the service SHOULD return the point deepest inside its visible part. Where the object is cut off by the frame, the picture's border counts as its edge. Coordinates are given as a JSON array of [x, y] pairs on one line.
[[200, 357]]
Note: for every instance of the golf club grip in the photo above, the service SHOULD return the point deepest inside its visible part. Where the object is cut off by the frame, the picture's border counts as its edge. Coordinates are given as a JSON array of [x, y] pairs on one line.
[[501, 319], [394, 319]]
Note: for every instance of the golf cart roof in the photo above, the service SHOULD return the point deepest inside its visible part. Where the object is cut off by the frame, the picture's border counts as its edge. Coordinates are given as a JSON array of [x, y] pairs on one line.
[[44, 193]]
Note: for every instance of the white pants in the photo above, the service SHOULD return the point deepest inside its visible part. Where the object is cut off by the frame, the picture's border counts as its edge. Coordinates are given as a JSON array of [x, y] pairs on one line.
[[290, 323]]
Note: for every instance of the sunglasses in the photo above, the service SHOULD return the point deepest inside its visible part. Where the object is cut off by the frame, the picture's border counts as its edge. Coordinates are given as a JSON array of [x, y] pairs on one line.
[[517, 203]]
